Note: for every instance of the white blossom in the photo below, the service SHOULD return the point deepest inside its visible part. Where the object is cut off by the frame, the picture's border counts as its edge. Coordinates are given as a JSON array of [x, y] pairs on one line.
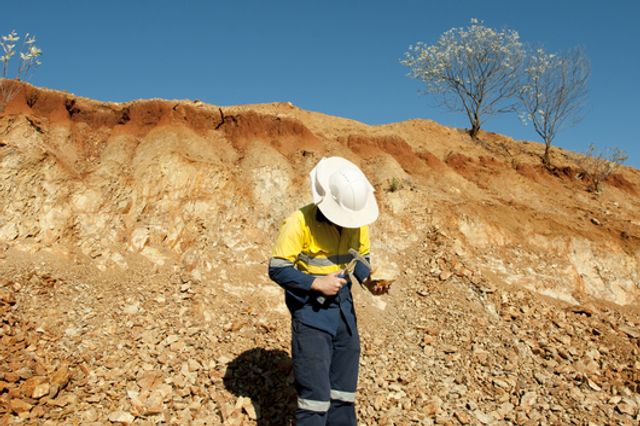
[[11, 37], [472, 69], [29, 58], [553, 91]]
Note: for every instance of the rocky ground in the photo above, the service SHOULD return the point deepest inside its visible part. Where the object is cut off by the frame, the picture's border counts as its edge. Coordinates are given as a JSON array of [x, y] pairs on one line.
[[81, 346]]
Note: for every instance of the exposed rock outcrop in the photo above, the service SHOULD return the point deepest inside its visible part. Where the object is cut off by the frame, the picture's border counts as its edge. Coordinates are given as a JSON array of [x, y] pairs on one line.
[[133, 247]]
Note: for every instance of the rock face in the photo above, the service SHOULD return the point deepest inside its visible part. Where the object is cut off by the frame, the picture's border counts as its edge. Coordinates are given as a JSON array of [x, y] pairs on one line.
[[133, 288]]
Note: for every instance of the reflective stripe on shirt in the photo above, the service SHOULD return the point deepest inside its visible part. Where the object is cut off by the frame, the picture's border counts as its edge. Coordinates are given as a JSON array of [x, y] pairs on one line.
[[276, 262], [338, 259]]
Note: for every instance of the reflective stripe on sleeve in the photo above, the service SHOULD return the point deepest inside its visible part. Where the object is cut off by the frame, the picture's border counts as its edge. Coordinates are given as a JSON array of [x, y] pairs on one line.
[[277, 262], [343, 396], [311, 405]]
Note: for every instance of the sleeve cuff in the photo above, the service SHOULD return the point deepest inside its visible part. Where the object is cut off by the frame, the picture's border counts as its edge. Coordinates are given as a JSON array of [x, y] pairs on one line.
[[361, 271], [290, 277]]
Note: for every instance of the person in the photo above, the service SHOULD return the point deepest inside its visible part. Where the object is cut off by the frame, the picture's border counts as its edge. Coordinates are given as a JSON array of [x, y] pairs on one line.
[[308, 261]]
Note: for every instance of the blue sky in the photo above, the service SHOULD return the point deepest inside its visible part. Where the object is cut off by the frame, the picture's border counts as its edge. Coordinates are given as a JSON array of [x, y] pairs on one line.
[[337, 57]]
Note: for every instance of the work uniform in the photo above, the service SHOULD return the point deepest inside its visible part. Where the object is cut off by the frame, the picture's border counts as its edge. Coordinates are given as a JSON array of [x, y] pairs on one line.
[[325, 341]]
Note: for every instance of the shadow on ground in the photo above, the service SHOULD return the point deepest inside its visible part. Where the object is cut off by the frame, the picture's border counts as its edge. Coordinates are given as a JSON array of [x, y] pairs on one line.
[[265, 377]]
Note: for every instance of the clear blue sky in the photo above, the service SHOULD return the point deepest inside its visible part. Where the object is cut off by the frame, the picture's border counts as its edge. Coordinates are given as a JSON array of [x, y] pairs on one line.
[[337, 57]]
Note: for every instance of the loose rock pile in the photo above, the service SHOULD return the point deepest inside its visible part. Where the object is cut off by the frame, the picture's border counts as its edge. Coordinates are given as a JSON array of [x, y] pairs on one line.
[[80, 347], [459, 350], [32, 380]]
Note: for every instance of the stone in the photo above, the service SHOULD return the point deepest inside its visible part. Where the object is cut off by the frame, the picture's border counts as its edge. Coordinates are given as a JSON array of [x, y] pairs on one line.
[[223, 360], [120, 416], [166, 391], [72, 331], [505, 409], [630, 331], [441, 419], [40, 390], [64, 400], [615, 400], [194, 365], [154, 255], [427, 339], [61, 376], [90, 415], [7, 297], [28, 386], [9, 232], [501, 384], [593, 385], [149, 380], [540, 377], [154, 404], [172, 338], [445, 275], [582, 310], [432, 407], [627, 406], [19, 406], [462, 417], [37, 412], [527, 400], [131, 309], [139, 238], [248, 407], [485, 419], [136, 403], [448, 349]]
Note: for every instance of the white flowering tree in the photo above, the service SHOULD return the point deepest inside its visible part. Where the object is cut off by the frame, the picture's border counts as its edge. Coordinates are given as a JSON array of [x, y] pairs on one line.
[[29, 59], [553, 93], [474, 70]]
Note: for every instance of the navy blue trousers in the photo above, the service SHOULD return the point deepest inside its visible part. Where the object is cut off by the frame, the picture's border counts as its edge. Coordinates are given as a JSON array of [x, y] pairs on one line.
[[326, 373]]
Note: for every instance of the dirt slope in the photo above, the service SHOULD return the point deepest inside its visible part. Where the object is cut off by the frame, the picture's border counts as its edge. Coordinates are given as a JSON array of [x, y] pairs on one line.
[[134, 240]]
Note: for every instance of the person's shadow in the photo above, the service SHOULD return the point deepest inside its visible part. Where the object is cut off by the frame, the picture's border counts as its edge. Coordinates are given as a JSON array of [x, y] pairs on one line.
[[265, 377]]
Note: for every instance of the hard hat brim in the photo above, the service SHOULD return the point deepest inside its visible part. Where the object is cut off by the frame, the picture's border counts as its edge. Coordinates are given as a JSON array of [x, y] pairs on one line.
[[329, 207]]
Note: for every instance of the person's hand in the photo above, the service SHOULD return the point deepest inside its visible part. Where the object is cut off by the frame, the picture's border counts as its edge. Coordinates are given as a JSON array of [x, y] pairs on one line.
[[329, 285]]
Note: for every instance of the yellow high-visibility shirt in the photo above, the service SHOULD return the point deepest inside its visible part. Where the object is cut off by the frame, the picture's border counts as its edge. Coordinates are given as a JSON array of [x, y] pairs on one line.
[[317, 247]]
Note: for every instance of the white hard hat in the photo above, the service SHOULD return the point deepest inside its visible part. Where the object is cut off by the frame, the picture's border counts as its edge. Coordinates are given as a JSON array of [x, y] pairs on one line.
[[343, 193]]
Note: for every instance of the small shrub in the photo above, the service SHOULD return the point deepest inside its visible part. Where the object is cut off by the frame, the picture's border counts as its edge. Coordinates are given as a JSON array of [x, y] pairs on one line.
[[598, 165], [395, 184]]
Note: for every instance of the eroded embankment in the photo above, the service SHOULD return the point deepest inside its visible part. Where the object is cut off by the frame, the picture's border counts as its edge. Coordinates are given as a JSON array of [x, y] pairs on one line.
[[188, 183]]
